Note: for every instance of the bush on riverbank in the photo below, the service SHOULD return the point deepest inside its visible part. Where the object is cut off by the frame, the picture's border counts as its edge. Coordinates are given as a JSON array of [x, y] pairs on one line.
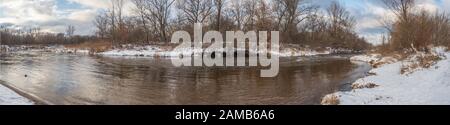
[[330, 99]]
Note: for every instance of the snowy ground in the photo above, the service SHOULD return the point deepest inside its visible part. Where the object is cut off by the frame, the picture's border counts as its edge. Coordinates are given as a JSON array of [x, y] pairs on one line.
[[366, 58], [154, 51], [54, 49], [9, 97], [164, 51], [388, 86]]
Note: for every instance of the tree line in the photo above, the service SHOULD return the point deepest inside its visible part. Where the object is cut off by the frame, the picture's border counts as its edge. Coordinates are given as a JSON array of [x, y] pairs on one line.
[[300, 22], [35, 35], [153, 21]]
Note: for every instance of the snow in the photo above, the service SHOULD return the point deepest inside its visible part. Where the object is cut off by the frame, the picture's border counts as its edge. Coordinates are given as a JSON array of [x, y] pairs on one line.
[[66, 50], [9, 97], [154, 51], [387, 86], [165, 51], [366, 58], [289, 52], [54, 49], [4, 48], [149, 51]]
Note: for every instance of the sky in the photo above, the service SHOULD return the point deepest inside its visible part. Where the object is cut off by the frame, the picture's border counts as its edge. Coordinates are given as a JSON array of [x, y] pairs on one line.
[[55, 15]]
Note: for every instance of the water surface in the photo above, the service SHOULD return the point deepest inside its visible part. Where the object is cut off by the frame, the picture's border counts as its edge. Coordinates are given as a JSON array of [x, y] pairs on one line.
[[82, 79]]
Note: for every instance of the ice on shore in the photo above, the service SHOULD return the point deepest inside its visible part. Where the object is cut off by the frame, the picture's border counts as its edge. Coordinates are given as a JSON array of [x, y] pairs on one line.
[[9, 97]]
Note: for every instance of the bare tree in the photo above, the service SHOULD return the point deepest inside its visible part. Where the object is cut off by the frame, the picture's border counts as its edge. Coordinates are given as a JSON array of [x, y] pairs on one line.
[[404, 25], [1, 40], [70, 30], [116, 11], [158, 12], [219, 4], [250, 10], [196, 11], [401, 8], [140, 10], [340, 18], [279, 13], [237, 12], [264, 16], [101, 22], [341, 23], [314, 27], [291, 12]]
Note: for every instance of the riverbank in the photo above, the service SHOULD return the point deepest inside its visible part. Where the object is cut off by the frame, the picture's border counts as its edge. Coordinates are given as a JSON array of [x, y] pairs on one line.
[[38, 48], [10, 97], [419, 79], [164, 50], [288, 50]]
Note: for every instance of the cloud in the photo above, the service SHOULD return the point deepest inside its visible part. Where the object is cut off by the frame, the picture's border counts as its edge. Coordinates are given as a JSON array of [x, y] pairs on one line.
[[104, 4], [54, 15], [29, 13], [95, 4], [82, 15], [428, 5], [26, 10], [368, 14]]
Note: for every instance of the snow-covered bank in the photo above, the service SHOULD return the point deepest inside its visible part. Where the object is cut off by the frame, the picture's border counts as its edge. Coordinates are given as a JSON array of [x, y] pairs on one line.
[[4, 48], [366, 58], [9, 97], [52, 49], [62, 49], [290, 50], [155, 51], [149, 51], [389, 84]]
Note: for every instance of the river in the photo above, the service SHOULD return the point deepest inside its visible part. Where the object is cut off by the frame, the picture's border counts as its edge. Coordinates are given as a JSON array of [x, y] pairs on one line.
[[92, 80]]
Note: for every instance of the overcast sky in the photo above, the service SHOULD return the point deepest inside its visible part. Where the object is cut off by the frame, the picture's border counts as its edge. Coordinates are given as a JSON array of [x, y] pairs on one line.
[[55, 15]]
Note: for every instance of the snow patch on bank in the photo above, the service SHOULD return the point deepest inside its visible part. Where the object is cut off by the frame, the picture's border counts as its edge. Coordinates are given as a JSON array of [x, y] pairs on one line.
[[148, 51], [53, 49], [9, 97], [388, 86], [366, 58], [289, 52]]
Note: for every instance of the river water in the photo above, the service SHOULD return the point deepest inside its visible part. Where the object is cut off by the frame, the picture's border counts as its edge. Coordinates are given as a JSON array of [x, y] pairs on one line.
[[83, 79]]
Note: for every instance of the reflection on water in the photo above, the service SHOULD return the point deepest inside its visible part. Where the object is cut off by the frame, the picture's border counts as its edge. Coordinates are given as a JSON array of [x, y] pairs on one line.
[[78, 79]]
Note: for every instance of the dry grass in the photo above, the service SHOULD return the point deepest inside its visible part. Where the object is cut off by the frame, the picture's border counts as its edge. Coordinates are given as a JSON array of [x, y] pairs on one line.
[[382, 61], [418, 61], [363, 85], [371, 73], [92, 46], [330, 99]]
